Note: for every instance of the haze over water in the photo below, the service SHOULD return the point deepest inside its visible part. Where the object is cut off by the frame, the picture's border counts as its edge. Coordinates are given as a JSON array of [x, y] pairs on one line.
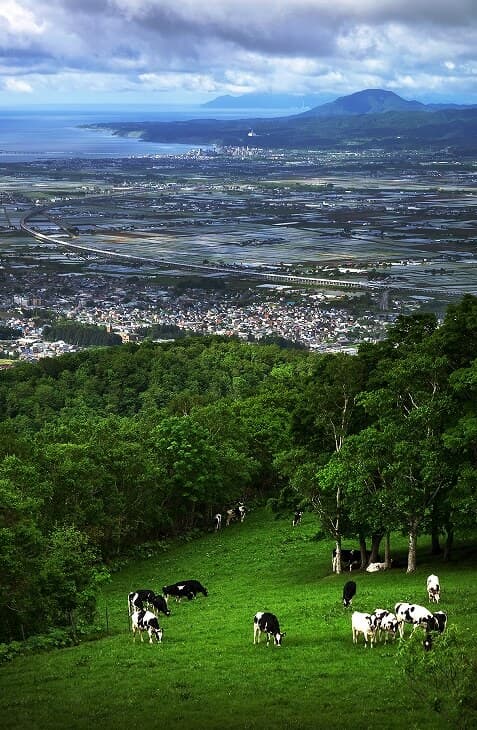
[[45, 132]]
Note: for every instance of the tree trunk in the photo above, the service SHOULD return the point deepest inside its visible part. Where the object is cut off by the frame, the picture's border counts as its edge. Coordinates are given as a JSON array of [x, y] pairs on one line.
[[436, 547], [387, 550], [337, 565], [375, 543], [364, 555], [411, 556], [449, 542]]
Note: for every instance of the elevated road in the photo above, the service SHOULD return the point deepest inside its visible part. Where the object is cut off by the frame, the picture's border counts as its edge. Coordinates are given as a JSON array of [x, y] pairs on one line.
[[66, 240]]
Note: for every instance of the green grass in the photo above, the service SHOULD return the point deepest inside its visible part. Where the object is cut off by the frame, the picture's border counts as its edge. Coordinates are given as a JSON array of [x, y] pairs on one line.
[[208, 674]]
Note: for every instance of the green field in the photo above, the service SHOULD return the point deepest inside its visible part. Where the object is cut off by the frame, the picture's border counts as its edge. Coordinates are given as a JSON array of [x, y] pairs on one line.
[[208, 674]]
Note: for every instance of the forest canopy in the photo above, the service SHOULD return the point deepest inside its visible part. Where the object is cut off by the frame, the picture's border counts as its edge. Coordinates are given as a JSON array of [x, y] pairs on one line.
[[111, 447]]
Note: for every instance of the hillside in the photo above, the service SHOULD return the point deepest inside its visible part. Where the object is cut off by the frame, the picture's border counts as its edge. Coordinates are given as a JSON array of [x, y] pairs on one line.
[[208, 674], [391, 130]]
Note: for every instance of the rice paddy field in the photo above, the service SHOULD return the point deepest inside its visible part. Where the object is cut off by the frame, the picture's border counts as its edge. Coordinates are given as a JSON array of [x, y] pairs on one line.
[[208, 674]]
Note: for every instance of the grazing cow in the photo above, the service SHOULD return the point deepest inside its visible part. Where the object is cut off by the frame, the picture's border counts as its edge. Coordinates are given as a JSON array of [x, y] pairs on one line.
[[386, 623], [412, 613], [439, 622], [137, 599], [194, 586], [179, 591], [433, 589], [349, 590], [349, 559], [375, 567], [267, 623], [363, 623], [297, 518], [236, 513], [185, 588], [217, 522], [427, 643], [146, 621]]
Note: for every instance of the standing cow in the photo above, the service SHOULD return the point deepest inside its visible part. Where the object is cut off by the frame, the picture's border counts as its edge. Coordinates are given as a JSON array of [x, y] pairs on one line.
[[433, 589], [146, 621], [363, 623], [267, 623], [297, 518], [236, 513], [137, 600], [349, 590]]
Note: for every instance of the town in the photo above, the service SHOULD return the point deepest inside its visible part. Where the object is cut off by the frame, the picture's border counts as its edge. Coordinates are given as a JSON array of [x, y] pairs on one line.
[[318, 250]]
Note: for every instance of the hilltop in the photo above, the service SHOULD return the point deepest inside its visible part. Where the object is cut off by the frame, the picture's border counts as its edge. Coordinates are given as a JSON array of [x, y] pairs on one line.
[[372, 118]]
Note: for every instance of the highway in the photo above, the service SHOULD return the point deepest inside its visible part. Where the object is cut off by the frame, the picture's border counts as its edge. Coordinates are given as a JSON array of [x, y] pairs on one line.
[[279, 278]]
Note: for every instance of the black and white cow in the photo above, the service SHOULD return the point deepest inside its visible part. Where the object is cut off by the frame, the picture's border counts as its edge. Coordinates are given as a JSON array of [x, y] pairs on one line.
[[267, 623], [236, 513], [376, 567], [179, 591], [349, 559], [366, 624], [439, 621], [412, 613], [349, 590], [297, 518], [185, 589], [195, 586], [137, 600], [217, 522], [433, 589], [386, 623], [146, 621]]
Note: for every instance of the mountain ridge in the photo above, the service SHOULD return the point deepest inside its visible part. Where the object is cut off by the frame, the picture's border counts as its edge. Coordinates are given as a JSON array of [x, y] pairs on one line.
[[366, 101]]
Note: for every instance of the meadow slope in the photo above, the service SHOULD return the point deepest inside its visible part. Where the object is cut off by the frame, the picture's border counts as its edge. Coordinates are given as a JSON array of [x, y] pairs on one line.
[[208, 674]]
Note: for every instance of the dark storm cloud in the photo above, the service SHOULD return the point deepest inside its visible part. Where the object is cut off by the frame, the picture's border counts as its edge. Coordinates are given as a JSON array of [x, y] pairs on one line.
[[246, 43]]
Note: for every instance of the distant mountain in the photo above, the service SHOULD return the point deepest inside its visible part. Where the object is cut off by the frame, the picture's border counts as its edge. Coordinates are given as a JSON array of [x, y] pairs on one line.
[[369, 101], [265, 101], [373, 118]]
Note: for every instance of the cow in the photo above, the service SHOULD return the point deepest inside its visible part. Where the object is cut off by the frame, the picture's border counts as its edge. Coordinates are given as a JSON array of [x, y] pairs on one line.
[[236, 513], [375, 567], [433, 589], [195, 587], [267, 623], [439, 622], [142, 620], [349, 559], [179, 591], [137, 599], [386, 623], [349, 590], [363, 623], [217, 522], [412, 613], [185, 588], [297, 518]]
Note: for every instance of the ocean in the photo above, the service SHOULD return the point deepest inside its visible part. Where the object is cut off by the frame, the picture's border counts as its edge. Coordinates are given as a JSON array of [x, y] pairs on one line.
[[40, 133]]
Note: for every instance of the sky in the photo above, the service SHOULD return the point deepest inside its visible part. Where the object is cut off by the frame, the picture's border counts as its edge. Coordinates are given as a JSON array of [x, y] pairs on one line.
[[174, 52]]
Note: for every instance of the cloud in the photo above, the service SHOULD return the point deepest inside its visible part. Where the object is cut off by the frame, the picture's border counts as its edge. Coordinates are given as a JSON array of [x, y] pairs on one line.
[[18, 86], [221, 46]]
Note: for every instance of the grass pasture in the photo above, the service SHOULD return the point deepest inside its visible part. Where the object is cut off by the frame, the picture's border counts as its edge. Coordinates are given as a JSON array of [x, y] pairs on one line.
[[208, 674]]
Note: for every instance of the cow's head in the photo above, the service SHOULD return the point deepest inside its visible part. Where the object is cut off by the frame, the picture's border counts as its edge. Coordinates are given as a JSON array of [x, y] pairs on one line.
[[278, 638], [158, 633]]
